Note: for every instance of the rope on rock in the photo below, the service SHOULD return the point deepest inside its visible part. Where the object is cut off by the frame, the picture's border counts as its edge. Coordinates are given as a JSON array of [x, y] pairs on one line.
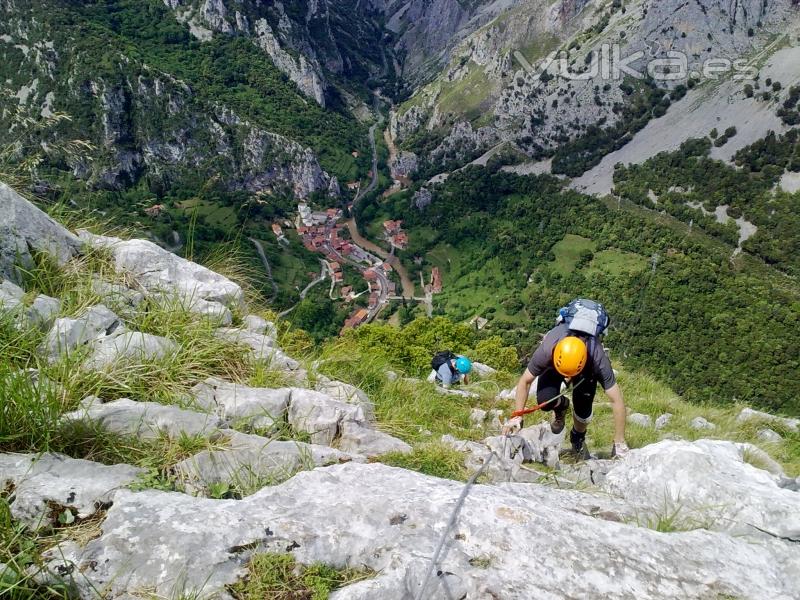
[[452, 520]]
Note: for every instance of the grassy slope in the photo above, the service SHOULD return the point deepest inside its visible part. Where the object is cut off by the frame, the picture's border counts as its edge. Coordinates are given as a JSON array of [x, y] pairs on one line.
[[408, 408]]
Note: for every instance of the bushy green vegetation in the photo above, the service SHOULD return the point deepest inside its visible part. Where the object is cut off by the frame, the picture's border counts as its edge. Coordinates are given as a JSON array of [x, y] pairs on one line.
[[695, 321], [432, 458], [689, 176], [412, 347]]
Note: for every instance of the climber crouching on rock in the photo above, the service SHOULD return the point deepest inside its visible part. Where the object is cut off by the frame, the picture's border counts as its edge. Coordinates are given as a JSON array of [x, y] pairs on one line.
[[448, 369], [571, 353]]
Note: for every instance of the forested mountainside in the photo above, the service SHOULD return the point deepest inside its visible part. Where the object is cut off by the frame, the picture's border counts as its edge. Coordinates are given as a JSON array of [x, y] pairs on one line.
[[168, 104], [202, 124]]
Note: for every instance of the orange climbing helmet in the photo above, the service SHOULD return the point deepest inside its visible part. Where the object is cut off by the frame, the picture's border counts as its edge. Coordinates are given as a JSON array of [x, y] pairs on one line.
[[569, 356]]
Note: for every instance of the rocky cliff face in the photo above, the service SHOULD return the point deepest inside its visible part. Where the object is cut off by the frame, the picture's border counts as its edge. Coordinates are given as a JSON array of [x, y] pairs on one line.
[[590, 51], [427, 32], [144, 122], [305, 40]]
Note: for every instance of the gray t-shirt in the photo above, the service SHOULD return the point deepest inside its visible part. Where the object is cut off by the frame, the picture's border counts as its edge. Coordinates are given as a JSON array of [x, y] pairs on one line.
[[598, 363], [446, 376]]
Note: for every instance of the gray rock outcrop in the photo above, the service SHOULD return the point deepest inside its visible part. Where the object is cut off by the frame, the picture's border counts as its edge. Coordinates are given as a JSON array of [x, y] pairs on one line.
[[701, 423], [161, 272], [43, 311], [11, 296], [44, 485], [391, 520], [260, 325], [423, 198], [403, 164], [663, 420], [68, 334], [320, 415], [258, 408], [25, 229], [358, 438], [708, 484], [249, 462], [262, 347], [345, 392], [769, 435], [748, 414], [145, 420], [640, 420], [128, 347]]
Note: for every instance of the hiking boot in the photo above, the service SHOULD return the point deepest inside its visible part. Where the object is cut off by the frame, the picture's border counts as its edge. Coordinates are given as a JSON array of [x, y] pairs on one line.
[[559, 416], [578, 441]]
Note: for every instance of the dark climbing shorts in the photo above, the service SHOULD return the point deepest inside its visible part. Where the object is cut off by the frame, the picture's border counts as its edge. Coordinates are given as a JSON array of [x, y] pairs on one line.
[[584, 387]]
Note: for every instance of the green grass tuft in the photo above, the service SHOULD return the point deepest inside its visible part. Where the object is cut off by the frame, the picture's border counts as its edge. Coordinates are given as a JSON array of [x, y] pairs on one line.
[[280, 577], [432, 458]]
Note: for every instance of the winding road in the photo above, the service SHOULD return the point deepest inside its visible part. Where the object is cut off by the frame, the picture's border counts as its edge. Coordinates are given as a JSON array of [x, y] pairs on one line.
[[405, 279], [267, 268]]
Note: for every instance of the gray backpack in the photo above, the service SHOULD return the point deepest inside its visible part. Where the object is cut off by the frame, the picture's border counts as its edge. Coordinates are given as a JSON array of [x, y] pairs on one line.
[[585, 316]]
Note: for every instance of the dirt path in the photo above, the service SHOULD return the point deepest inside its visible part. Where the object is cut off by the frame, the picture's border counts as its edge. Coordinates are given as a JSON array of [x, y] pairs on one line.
[[267, 268], [408, 285], [387, 137]]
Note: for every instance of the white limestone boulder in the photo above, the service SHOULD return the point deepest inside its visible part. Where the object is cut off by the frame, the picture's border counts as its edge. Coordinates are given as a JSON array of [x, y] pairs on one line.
[[320, 415], [477, 417], [709, 483], [640, 420], [250, 462], [505, 455], [702, 424], [543, 444], [259, 408], [43, 312], [482, 370], [359, 438], [262, 347], [45, 485], [128, 347], [146, 420], [25, 229], [68, 334], [345, 392], [748, 414], [160, 271], [769, 435], [260, 325], [116, 295], [662, 421], [391, 521], [11, 296]]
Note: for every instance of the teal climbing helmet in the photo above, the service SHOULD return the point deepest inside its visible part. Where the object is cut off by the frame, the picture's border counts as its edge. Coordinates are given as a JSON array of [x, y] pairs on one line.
[[463, 365]]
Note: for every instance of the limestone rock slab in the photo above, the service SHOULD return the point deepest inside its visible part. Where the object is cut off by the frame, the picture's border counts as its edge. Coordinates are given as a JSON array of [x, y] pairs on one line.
[[45, 484], [147, 420], [261, 408], [391, 520]]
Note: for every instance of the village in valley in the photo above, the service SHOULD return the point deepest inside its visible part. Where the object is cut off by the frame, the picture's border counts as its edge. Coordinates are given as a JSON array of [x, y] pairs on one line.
[[325, 232]]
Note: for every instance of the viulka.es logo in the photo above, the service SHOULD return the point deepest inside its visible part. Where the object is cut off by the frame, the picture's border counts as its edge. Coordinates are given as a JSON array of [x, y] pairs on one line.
[[609, 63]]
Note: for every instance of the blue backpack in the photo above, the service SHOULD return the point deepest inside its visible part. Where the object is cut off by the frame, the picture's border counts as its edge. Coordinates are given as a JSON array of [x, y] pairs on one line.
[[586, 316]]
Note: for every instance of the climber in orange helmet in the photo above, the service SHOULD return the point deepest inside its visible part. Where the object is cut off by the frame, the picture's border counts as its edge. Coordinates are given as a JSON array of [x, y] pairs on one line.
[[571, 353]]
